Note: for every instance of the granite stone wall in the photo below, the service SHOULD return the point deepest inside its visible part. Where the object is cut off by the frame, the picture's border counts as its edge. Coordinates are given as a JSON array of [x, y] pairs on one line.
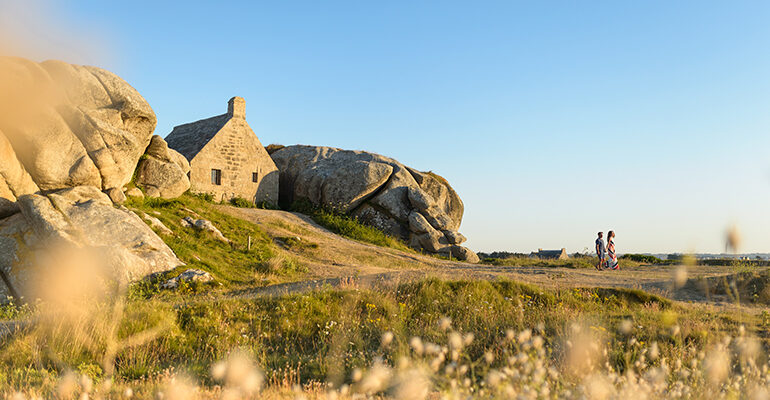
[[238, 154]]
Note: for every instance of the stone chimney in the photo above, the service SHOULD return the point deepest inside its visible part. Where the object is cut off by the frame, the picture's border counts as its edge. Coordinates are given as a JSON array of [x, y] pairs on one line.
[[236, 108]]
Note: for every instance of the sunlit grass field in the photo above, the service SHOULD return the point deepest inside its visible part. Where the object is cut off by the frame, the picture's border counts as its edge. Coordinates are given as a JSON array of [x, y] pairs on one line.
[[428, 338]]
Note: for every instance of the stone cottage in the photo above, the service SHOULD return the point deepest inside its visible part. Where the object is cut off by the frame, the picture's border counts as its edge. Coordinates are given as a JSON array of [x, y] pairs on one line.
[[550, 254], [226, 158]]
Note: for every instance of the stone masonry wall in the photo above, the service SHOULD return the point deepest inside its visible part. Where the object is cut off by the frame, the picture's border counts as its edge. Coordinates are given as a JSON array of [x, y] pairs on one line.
[[237, 152]]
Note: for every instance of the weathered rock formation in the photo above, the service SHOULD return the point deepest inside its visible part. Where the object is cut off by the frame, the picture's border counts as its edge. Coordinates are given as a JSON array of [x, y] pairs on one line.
[[64, 125], [163, 171], [420, 208], [190, 275], [68, 135], [83, 219]]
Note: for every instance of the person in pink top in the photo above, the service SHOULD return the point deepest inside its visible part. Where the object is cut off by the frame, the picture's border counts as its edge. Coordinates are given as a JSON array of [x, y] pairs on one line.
[[612, 257]]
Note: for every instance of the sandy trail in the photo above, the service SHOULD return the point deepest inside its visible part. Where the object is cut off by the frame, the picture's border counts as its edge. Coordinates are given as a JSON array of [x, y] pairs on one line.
[[340, 262]]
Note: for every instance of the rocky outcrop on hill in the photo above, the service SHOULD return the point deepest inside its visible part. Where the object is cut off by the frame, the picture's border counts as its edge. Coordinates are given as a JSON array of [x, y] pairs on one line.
[[420, 208], [82, 219], [70, 140], [163, 171], [64, 125]]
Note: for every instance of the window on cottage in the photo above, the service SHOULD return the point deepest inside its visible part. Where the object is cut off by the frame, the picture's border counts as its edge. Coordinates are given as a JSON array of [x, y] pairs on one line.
[[216, 177], [255, 176]]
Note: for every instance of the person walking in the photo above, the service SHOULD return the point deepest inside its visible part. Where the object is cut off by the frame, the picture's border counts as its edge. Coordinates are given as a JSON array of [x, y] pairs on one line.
[[612, 258], [601, 250]]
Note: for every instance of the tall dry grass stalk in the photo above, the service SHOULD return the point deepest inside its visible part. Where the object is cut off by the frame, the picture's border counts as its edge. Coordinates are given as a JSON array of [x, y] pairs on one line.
[[80, 302]]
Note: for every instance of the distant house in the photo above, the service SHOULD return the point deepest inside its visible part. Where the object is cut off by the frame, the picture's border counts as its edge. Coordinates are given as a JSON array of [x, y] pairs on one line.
[[226, 158], [550, 254]]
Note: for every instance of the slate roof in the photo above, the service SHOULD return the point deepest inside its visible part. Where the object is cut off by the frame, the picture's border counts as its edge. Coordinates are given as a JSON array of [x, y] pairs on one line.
[[189, 139]]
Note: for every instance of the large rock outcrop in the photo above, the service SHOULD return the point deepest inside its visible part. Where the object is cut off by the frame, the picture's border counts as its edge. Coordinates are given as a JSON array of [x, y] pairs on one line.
[[68, 135], [64, 125], [420, 208], [77, 219], [163, 171]]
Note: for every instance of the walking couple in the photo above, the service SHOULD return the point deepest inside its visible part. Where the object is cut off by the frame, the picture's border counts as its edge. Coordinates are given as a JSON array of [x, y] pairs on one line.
[[606, 253]]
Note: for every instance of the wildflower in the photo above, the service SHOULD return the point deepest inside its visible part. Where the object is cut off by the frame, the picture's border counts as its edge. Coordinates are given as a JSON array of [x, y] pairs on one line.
[[489, 357], [524, 336]]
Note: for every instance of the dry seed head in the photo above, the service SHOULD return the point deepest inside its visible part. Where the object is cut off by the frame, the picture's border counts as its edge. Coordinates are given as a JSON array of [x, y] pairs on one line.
[[598, 387], [179, 388], [416, 344], [411, 385], [376, 379], [494, 378], [680, 276], [733, 239], [654, 351], [468, 338], [675, 330], [387, 338], [356, 375], [239, 372], [455, 341], [86, 384], [625, 327], [445, 323], [716, 366], [67, 385]]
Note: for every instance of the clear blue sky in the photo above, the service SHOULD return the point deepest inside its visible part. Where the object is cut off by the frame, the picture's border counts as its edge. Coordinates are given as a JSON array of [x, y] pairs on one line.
[[553, 120]]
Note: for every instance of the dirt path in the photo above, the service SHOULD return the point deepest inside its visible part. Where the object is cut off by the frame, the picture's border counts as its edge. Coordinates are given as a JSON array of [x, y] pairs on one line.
[[335, 261]]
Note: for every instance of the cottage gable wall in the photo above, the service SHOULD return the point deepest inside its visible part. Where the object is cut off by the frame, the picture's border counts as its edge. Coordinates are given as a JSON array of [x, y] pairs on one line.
[[237, 152]]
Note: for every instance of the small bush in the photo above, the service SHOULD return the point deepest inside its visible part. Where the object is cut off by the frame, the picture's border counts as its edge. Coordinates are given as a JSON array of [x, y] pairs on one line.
[[242, 203], [348, 226], [272, 148], [641, 258]]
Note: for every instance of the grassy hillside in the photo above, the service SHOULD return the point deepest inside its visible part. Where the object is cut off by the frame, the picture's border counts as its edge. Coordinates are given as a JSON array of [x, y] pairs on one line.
[[232, 264]]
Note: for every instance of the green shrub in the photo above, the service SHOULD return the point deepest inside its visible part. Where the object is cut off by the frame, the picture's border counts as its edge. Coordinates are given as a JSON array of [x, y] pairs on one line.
[[642, 258], [242, 203], [348, 226]]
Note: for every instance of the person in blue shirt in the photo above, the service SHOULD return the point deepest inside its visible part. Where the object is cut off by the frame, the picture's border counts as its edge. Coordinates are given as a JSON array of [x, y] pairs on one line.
[[601, 250]]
